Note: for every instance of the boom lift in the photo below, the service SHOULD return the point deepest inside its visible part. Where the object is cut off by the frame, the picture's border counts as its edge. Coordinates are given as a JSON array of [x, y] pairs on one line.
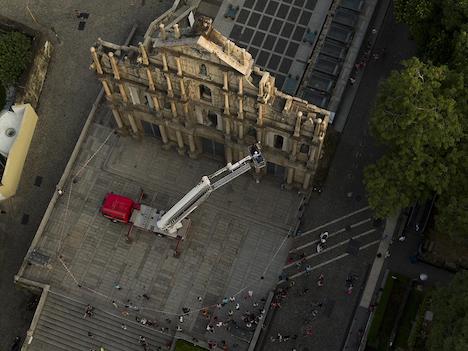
[[174, 223]]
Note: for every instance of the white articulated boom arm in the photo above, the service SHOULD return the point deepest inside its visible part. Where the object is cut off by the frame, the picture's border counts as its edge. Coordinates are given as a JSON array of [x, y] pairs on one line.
[[171, 220]]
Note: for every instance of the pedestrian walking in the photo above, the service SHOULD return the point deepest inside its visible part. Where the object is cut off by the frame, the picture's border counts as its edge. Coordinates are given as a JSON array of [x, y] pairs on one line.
[[114, 304], [308, 269], [117, 286], [321, 280], [146, 296], [181, 319], [232, 299], [143, 342], [237, 306], [199, 298], [89, 311], [230, 313], [179, 328], [124, 327]]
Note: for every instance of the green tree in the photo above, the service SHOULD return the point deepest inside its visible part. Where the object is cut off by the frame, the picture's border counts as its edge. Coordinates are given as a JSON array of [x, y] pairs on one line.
[[434, 25], [418, 121], [449, 329], [15, 54], [452, 205], [460, 54]]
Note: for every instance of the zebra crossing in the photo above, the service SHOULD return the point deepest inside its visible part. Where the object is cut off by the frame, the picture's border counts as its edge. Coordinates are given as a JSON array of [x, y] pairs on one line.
[[347, 235]]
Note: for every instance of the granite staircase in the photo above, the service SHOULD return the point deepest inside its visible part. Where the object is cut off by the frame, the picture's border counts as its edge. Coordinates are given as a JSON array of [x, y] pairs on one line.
[[62, 326]]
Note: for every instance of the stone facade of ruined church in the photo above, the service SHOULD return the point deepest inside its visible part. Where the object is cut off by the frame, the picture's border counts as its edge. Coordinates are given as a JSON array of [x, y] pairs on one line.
[[198, 92]]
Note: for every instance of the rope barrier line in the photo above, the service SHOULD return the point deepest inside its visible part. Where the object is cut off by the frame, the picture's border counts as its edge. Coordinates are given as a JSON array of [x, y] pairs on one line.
[[93, 155], [62, 231], [192, 311], [68, 270], [279, 248], [65, 218]]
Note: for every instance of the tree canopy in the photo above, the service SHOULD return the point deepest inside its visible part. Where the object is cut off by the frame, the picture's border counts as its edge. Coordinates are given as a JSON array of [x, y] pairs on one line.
[[449, 329], [15, 54], [419, 121], [434, 25]]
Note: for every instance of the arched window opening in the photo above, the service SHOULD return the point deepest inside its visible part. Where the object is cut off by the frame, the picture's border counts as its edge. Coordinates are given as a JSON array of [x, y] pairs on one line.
[[304, 148], [203, 71], [278, 142], [213, 119], [205, 92]]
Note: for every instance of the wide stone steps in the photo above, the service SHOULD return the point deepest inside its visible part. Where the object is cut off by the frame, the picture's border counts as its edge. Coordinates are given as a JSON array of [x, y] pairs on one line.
[[62, 326]]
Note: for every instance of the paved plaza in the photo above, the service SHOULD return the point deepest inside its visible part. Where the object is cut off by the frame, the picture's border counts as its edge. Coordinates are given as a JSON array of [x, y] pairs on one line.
[[313, 317], [238, 236]]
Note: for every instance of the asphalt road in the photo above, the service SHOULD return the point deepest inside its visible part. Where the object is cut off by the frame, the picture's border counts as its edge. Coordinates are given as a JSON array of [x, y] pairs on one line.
[[342, 194], [69, 91]]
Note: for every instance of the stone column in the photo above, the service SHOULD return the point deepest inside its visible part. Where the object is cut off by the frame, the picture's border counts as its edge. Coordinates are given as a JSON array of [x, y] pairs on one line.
[[290, 177], [156, 104], [228, 153], [170, 92], [183, 93], [151, 85], [164, 61], [173, 109], [118, 119], [115, 68], [163, 132], [225, 81], [162, 31], [176, 31], [144, 55], [192, 147], [107, 90], [123, 93], [240, 130], [306, 183], [97, 64], [179, 67], [131, 119], [180, 142]]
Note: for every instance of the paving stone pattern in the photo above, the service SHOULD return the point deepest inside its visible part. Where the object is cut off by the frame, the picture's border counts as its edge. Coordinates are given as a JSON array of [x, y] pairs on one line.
[[234, 235]]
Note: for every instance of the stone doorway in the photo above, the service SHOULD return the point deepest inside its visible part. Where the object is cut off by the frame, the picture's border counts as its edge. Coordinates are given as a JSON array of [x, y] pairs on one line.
[[151, 129], [278, 172], [213, 149]]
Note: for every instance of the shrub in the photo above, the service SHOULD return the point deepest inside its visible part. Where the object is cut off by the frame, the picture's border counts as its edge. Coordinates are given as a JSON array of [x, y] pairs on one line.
[[15, 55], [2, 96]]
